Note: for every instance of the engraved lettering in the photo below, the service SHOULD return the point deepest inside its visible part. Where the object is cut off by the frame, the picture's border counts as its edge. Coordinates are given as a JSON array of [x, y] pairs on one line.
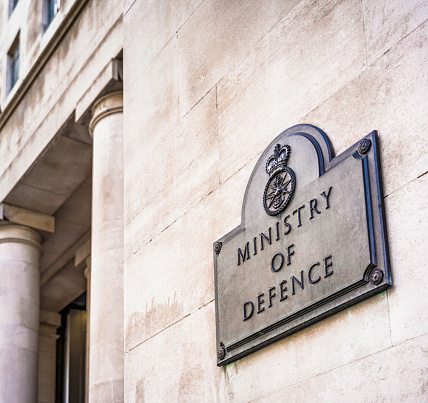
[[271, 295], [280, 264], [298, 215], [268, 239], [245, 255], [300, 283], [328, 264], [313, 207], [326, 197], [246, 314], [260, 301], [290, 252], [288, 229], [277, 231], [283, 289], [309, 274], [255, 246]]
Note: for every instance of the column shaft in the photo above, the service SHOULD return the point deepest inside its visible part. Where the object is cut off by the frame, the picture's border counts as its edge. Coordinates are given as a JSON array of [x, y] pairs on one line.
[[19, 320], [49, 323], [106, 301]]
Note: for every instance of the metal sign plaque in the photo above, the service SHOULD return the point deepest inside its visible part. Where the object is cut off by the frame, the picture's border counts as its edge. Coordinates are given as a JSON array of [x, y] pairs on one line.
[[312, 241]]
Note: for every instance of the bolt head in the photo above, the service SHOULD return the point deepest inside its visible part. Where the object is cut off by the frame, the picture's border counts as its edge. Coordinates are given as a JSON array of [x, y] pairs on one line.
[[364, 146], [377, 277], [221, 353]]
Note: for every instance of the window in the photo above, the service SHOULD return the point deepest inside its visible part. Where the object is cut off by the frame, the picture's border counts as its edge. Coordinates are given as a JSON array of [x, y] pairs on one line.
[[13, 65], [50, 10]]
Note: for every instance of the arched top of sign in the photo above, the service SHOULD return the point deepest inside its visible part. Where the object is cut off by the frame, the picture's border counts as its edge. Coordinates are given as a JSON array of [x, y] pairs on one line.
[[317, 144]]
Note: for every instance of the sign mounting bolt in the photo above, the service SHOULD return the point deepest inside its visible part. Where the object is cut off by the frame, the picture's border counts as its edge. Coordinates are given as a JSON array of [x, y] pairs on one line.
[[364, 146], [221, 353], [377, 277], [217, 247]]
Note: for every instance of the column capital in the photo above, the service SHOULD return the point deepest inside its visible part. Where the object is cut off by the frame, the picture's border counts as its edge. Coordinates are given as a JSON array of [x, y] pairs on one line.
[[105, 106], [13, 233]]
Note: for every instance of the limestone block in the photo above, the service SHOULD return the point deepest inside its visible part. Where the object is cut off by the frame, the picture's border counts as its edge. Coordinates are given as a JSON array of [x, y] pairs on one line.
[[153, 287], [407, 228], [150, 104], [176, 365], [149, 223], [197, 157], [315, 50], [216, 37], [343, 338], [207, 221], [395, 374], [155, 176], [161, 20], [389, 96], [178, 170], [387, 22]]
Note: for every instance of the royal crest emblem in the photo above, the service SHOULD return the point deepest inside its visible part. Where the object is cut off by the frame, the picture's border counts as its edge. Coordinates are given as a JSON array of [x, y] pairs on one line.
[[280, 187]]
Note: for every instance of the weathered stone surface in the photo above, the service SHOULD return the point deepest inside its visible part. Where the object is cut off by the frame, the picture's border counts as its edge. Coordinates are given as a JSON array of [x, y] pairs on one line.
[[313, 351], [153, 284], [380, 99], [151, 105], [186, 373], [407, 212], [398, 374], [216, 37], [178, 170], [388, 22], [283, 79], [161, 20]]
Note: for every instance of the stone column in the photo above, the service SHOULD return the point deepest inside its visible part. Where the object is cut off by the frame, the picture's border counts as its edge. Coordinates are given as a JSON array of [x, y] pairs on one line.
[[106, 354], [87, 274], [20, 253], [49, 323]]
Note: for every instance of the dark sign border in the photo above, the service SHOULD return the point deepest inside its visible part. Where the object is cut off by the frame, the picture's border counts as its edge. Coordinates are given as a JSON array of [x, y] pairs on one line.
[[377, 277]]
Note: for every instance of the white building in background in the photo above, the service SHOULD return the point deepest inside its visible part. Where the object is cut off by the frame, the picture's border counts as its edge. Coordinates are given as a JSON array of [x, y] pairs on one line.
[[128, 133]]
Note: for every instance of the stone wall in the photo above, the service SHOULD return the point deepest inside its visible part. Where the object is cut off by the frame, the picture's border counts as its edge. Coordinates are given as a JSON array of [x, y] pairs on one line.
[[208, 85], [84, 51]]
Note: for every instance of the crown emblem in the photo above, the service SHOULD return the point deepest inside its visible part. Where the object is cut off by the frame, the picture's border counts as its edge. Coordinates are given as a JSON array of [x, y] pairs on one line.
[[280, 186], [278, 159]]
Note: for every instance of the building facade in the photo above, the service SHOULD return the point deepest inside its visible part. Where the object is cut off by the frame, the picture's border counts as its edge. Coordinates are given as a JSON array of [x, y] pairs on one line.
[[128, 133]]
